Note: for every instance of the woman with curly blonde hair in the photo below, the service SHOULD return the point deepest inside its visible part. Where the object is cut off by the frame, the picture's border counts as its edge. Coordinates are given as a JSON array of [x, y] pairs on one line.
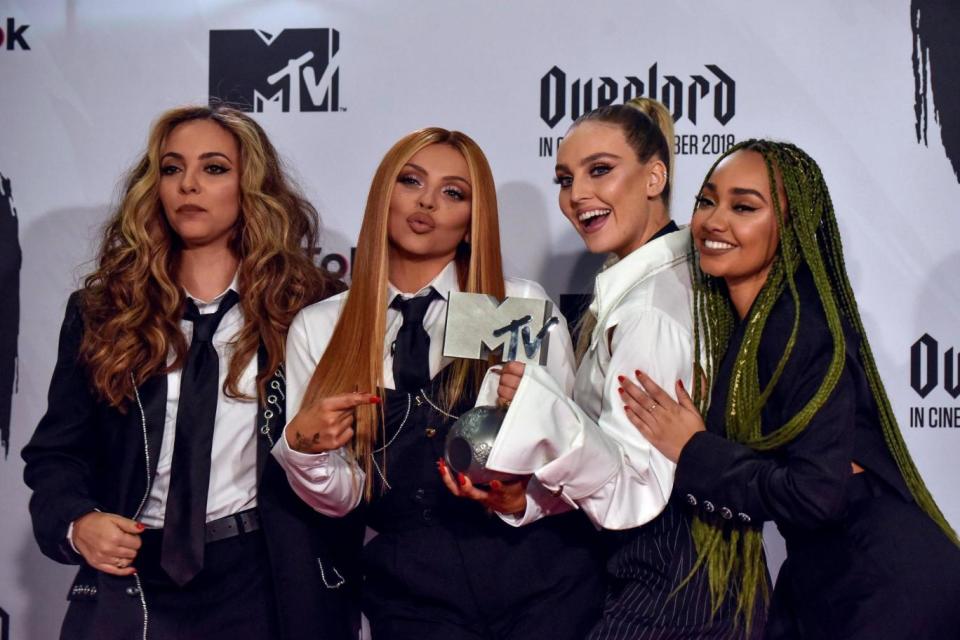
[[150, 467]]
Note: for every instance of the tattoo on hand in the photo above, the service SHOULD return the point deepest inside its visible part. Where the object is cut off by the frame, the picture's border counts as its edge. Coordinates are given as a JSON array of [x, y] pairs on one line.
[[302, 444]]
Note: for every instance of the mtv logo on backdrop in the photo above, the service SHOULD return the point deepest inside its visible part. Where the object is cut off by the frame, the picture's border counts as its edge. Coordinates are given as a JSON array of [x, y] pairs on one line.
[[292, 70]]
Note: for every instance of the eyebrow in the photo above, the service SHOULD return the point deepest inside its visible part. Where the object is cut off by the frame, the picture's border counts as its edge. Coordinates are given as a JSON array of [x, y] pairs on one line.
[[741, 191], [424, 171], [737, 191], [593, 157], [203, 156]]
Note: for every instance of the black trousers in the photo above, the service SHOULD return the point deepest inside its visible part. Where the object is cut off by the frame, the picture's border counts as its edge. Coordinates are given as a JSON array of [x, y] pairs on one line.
[[230, 598], [480, 579], [887, 572]]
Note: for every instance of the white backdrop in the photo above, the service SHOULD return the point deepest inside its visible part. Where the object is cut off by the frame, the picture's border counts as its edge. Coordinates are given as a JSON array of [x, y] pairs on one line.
[[835, 78]]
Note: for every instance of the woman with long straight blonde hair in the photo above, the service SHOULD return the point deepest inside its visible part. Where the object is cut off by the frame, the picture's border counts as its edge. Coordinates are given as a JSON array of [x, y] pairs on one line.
[[151, 467], [374, 398]]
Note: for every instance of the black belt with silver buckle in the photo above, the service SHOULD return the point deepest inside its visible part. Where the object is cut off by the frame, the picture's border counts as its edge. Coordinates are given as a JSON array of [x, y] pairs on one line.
[[232, 525]]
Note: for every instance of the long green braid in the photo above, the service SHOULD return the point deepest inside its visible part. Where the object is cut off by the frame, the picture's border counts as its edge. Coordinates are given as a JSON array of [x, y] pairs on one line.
[[809, 235]]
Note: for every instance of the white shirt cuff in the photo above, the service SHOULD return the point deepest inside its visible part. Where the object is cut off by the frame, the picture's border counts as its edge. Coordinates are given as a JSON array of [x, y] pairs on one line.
[[541, 502], [330, 482]]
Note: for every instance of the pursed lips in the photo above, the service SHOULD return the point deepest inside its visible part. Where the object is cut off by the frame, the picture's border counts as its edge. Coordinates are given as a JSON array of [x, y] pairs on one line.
[[421, 223]]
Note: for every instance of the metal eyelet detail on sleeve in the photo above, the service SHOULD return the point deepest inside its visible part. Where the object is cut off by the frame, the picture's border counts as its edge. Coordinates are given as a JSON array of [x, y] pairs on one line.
[[708, 506], [725, 513], [272, 407], [744, 518], [691, 500]]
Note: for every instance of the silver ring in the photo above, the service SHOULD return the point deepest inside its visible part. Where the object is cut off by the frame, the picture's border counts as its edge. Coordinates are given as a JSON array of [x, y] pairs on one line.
[[652, 407]]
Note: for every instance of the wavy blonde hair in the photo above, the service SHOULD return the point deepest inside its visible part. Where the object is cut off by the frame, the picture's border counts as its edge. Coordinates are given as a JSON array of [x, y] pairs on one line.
[[354, 358], [132, 304]]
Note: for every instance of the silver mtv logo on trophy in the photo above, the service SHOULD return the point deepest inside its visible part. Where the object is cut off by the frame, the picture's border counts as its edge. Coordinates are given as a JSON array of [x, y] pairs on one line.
[[477, 326]]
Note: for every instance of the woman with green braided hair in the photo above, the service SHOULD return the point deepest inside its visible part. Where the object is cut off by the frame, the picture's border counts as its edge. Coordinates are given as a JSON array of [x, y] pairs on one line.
[[799, 429]]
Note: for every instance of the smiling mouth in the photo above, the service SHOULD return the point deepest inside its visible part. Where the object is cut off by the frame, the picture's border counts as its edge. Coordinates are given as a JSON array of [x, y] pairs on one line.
[[592, 220], [717, 245]]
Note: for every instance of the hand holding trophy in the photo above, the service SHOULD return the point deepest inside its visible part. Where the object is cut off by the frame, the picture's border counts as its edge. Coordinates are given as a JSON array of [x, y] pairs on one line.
[[476, 326]]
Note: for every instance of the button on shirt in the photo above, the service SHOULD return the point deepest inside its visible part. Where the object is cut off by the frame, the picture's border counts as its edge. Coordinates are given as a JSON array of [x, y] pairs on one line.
[[233, 463], [331, 482]]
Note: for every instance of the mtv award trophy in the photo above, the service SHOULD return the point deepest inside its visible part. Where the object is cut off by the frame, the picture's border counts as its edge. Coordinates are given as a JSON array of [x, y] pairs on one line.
[[476, 327]]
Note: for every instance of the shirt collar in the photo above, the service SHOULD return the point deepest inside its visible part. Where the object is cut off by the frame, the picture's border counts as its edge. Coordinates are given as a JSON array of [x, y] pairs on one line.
[[618, 279], [215, 302], [444, 282]]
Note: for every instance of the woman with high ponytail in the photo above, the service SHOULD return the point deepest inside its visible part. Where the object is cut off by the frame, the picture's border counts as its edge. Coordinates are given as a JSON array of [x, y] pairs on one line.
[[799, 429], [614, 171]]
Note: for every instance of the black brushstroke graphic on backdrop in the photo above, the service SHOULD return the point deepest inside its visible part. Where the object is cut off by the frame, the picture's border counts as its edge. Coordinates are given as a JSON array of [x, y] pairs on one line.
[[10, 259], [4, 625], [936, 71]]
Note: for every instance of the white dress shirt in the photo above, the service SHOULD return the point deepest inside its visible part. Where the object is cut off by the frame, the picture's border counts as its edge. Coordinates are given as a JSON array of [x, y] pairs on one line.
[[233, 457], [331, 482], [585, 450]]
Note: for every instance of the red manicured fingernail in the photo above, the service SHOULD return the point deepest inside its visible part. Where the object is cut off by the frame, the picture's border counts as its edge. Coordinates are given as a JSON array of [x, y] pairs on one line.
[[625, 407], [496, 485], [462, 479], [141, 526], [637, 372], [621, 378], [620, 389], [375, 400], [680, 382], [134, 572]]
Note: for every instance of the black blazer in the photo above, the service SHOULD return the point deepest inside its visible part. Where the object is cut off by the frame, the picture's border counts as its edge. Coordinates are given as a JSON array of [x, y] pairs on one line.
[[802, 486], [85, 455]]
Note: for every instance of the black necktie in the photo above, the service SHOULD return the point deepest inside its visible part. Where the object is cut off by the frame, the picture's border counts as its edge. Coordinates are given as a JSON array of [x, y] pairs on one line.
[[411, 350], [181, 552]]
